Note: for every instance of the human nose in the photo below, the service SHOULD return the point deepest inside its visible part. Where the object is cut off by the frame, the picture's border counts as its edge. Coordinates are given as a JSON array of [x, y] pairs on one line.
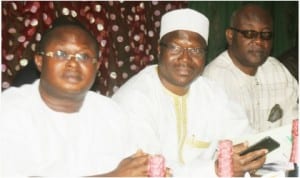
[[72, 56], [258, 38], [72, 60], [185, 53]]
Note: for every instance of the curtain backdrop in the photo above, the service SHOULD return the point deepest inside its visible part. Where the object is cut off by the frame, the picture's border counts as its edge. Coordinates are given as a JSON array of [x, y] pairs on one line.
[[127, 32]]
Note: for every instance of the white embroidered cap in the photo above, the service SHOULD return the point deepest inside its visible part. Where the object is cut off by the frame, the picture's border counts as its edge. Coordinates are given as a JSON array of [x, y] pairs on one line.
[[185, 19]]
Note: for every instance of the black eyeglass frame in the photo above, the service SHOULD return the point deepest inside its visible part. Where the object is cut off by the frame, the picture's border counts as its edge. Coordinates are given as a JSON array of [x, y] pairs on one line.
[[252, 34]]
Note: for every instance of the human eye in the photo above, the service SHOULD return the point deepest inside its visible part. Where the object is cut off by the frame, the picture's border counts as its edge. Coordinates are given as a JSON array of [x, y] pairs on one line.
[[175, 49], [250, 33], [266, 35], [197, 51], [83, 57], [59, 54]]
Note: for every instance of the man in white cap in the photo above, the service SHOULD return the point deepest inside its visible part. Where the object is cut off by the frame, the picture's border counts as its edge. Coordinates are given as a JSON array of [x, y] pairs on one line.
[[176, 112]]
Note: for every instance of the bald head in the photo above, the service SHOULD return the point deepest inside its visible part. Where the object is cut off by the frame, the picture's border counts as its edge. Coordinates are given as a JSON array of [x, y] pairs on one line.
[[250, 12]]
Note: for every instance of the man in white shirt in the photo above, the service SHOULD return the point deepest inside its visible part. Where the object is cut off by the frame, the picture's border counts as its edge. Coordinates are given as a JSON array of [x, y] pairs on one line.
[[56, 126], [178, 113], [258, 82]]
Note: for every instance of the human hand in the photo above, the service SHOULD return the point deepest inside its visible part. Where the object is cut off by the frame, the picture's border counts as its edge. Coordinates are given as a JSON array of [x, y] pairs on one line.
[[168, 172], [135, 165], [249, 162]]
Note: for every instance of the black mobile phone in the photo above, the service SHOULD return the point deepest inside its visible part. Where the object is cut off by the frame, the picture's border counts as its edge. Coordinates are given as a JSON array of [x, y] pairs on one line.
[[267, 143]]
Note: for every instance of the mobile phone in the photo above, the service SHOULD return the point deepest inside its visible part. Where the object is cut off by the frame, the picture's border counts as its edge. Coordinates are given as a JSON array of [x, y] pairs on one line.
[[266, 143]]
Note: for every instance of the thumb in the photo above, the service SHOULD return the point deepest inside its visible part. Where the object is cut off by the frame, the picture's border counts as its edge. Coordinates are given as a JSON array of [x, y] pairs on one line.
[[138, 153]]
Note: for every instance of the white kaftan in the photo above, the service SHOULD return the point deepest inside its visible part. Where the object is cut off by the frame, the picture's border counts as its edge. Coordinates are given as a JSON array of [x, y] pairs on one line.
[[210, 117], [37, 141], [272, 84]]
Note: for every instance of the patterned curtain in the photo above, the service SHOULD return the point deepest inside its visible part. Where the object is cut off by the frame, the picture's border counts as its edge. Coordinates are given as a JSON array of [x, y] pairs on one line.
[[126, 31]]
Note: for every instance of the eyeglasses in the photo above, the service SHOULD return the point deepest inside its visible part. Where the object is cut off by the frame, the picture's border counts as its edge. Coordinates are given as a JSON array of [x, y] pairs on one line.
[[64, 56], [178, 50], [251, 34]]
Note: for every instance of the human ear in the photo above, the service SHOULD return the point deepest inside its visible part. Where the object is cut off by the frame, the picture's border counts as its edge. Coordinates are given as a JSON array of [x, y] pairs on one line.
[[38, 59], [229, 36]]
